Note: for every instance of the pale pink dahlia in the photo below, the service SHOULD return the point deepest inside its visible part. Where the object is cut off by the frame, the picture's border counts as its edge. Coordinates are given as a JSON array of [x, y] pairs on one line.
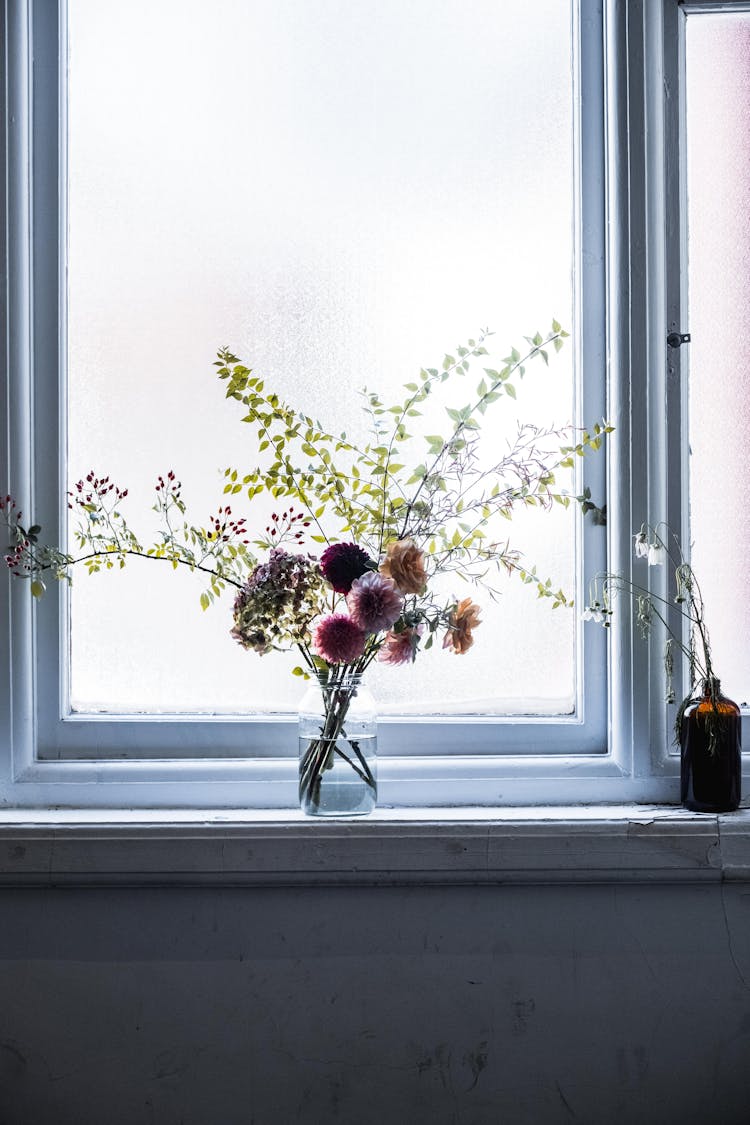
[[337, 639], [341, 563], [463, 619], [401, 648], [404, 563], [374, 602]]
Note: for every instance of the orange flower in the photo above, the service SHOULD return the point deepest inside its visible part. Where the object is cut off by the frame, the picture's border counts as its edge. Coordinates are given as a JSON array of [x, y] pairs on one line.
[[404, 565], [463, 619]]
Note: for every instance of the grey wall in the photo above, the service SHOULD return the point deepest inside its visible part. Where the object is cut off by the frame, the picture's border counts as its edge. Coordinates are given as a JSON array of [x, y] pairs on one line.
[[468, 1005]]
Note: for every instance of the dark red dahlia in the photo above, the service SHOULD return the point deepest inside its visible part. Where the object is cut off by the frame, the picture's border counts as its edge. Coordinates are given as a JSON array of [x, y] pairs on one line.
[[338, 640], [343, 563]]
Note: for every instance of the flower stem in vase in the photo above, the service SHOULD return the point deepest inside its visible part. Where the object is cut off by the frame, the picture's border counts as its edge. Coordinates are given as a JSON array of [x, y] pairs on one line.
[[337, 745]]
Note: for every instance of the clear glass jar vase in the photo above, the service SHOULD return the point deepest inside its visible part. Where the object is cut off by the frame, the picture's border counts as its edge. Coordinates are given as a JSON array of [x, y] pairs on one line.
[[338, 744], [711, 752]]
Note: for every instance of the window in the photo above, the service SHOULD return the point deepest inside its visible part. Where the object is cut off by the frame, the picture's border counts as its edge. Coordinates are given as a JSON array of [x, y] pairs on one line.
[[359, 221], [612, 743]]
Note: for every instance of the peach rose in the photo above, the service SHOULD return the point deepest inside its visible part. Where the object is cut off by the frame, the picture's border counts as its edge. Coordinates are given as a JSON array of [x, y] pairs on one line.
[[404, 565], [464, 618]]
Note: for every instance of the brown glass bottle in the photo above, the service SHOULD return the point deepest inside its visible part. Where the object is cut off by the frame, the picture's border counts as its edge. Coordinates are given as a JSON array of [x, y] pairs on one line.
[[711, 752]]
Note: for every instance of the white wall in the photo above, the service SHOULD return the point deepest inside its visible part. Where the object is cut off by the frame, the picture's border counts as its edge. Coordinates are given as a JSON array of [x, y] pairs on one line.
[[459, 1005]]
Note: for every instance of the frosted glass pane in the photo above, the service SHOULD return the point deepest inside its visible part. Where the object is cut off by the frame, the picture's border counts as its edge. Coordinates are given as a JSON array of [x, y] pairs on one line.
[[340, 191], [718, 113]]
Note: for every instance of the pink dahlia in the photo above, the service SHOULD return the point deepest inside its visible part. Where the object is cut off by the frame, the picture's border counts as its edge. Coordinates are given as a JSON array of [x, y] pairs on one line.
[[374, 602], [337, 639], [342, 563], [401, 648]]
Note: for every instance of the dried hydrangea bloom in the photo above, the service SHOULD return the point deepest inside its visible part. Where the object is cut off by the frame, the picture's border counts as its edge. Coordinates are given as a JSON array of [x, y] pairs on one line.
[[343, 563], [374, 602], [404, 564], [401, 648], [463, 619], [338, 640], [277, 603]]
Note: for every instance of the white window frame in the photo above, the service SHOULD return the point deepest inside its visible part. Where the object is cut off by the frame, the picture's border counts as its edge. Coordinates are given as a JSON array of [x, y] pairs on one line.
[[627, 757]]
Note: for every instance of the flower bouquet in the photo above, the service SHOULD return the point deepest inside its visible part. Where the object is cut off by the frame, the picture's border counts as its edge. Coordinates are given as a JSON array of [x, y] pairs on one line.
[[343, 611], [345, 572]]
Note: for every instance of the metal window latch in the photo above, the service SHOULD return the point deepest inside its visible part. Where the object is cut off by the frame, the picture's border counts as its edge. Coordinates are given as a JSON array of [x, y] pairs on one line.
[[676, 339]]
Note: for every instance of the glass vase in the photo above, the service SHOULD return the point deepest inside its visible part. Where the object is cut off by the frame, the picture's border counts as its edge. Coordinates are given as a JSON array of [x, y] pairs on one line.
[[711, 752], [337, 746]]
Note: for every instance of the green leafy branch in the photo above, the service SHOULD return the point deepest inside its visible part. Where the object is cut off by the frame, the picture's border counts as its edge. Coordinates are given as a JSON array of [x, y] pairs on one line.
[[418, 393], [447, 503], [318, 485], [430, 474], [370, 490], [106, 540]]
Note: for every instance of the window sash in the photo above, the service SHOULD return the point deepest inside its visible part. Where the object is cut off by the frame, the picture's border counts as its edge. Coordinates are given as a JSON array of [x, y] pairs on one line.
[[83, 735]]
